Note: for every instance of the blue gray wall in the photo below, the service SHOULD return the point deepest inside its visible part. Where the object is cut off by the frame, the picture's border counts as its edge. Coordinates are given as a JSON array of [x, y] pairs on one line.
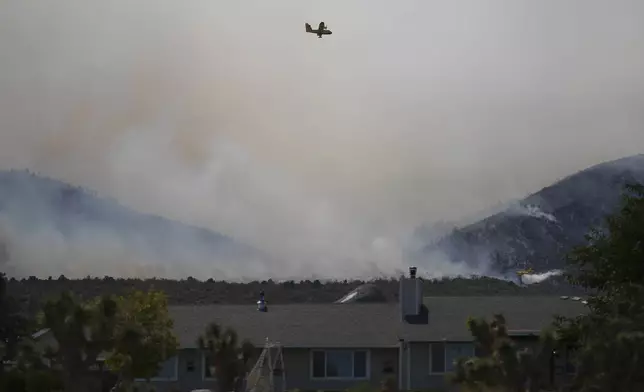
[[186, 380], [420, 376], [297, 365]]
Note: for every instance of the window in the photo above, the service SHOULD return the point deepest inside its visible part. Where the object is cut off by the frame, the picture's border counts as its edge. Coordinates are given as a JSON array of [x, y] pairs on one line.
[[190, 366], [340, 364], [444, 355], [455, 351]]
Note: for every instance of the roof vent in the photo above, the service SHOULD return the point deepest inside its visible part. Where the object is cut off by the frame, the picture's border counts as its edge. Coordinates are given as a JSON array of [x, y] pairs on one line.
[[261, 304], [412, 272]]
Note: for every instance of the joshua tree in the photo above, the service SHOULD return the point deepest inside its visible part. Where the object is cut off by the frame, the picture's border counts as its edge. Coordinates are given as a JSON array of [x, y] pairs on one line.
[[82, 332], [228, 357], [501, 366]]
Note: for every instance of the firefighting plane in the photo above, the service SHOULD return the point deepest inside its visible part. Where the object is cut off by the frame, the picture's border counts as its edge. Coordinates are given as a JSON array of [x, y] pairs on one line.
[[322, 30], [523, 272]]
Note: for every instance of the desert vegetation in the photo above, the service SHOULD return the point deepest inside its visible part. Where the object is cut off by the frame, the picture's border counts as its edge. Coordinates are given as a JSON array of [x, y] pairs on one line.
[[33, 291]]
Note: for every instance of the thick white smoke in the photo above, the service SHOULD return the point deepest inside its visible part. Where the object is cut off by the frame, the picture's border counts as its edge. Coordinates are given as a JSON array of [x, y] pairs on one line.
[[530, 210], [538, 278], [323, 153]]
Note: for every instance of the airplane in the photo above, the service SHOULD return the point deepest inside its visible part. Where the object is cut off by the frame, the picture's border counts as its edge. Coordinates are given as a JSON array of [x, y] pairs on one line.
[[322, 30], [525, 271], [521, 273]]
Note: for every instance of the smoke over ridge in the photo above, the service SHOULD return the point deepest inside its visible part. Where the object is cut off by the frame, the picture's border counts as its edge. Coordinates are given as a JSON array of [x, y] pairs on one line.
[[323, 154]]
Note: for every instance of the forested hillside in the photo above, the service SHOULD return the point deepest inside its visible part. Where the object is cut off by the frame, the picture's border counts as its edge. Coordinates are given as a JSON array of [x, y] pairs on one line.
[[37, 212], [539, 230]]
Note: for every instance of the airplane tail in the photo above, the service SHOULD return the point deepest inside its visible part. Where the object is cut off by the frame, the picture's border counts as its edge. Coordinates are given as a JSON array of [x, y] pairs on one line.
[[308, 27]]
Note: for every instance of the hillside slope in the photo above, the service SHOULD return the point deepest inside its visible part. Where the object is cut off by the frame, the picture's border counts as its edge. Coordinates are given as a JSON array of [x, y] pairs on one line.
[[44, 210], [538, 230]]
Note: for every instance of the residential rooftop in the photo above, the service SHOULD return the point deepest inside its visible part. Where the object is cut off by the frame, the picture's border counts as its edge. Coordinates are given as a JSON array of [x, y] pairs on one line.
[[369, 324]]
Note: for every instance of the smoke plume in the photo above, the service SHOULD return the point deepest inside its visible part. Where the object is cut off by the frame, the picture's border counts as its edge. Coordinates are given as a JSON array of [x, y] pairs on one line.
[[538, 278], [324, 154]]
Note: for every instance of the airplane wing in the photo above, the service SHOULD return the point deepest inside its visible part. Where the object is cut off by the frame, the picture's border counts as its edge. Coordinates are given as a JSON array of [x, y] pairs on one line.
[[321, 26]]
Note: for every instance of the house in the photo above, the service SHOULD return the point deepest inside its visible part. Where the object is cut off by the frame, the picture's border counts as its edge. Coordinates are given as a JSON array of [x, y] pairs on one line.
[[336, 346]]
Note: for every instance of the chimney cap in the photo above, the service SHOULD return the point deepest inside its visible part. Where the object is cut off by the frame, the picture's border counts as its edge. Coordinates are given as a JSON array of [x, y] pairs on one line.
[[412, 272]]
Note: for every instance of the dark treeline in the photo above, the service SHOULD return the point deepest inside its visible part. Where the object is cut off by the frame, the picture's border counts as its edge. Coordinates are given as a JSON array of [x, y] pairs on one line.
[[32, 291]]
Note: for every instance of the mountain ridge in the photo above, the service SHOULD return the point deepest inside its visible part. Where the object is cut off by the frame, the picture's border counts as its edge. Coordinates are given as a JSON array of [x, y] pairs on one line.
[[535, 231], [538, 230], [31, 204]]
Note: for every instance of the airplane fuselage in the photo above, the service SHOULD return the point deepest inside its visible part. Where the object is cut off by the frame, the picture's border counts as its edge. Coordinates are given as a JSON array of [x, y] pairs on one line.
[[321, 33]]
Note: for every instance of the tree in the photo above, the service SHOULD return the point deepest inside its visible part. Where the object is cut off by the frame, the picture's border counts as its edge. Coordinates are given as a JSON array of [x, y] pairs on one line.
[[82, 331], [132, 333], [13, 324], [27, 371], [143, 337], [501, 366], [32, 371], [227, 355], [609, 339]]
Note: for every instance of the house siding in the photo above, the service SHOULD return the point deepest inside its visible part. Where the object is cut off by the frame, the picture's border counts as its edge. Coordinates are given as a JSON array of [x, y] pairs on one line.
[[420, 377], [297, 371], [186, 380]]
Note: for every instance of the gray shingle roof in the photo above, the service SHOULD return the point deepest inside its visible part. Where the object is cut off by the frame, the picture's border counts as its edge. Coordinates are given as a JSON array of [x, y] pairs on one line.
[[295, 325], [369, 324], [447, 316]]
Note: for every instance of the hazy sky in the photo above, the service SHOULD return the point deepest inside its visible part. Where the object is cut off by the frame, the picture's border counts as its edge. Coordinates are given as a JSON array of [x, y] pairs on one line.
[[325, 152]]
